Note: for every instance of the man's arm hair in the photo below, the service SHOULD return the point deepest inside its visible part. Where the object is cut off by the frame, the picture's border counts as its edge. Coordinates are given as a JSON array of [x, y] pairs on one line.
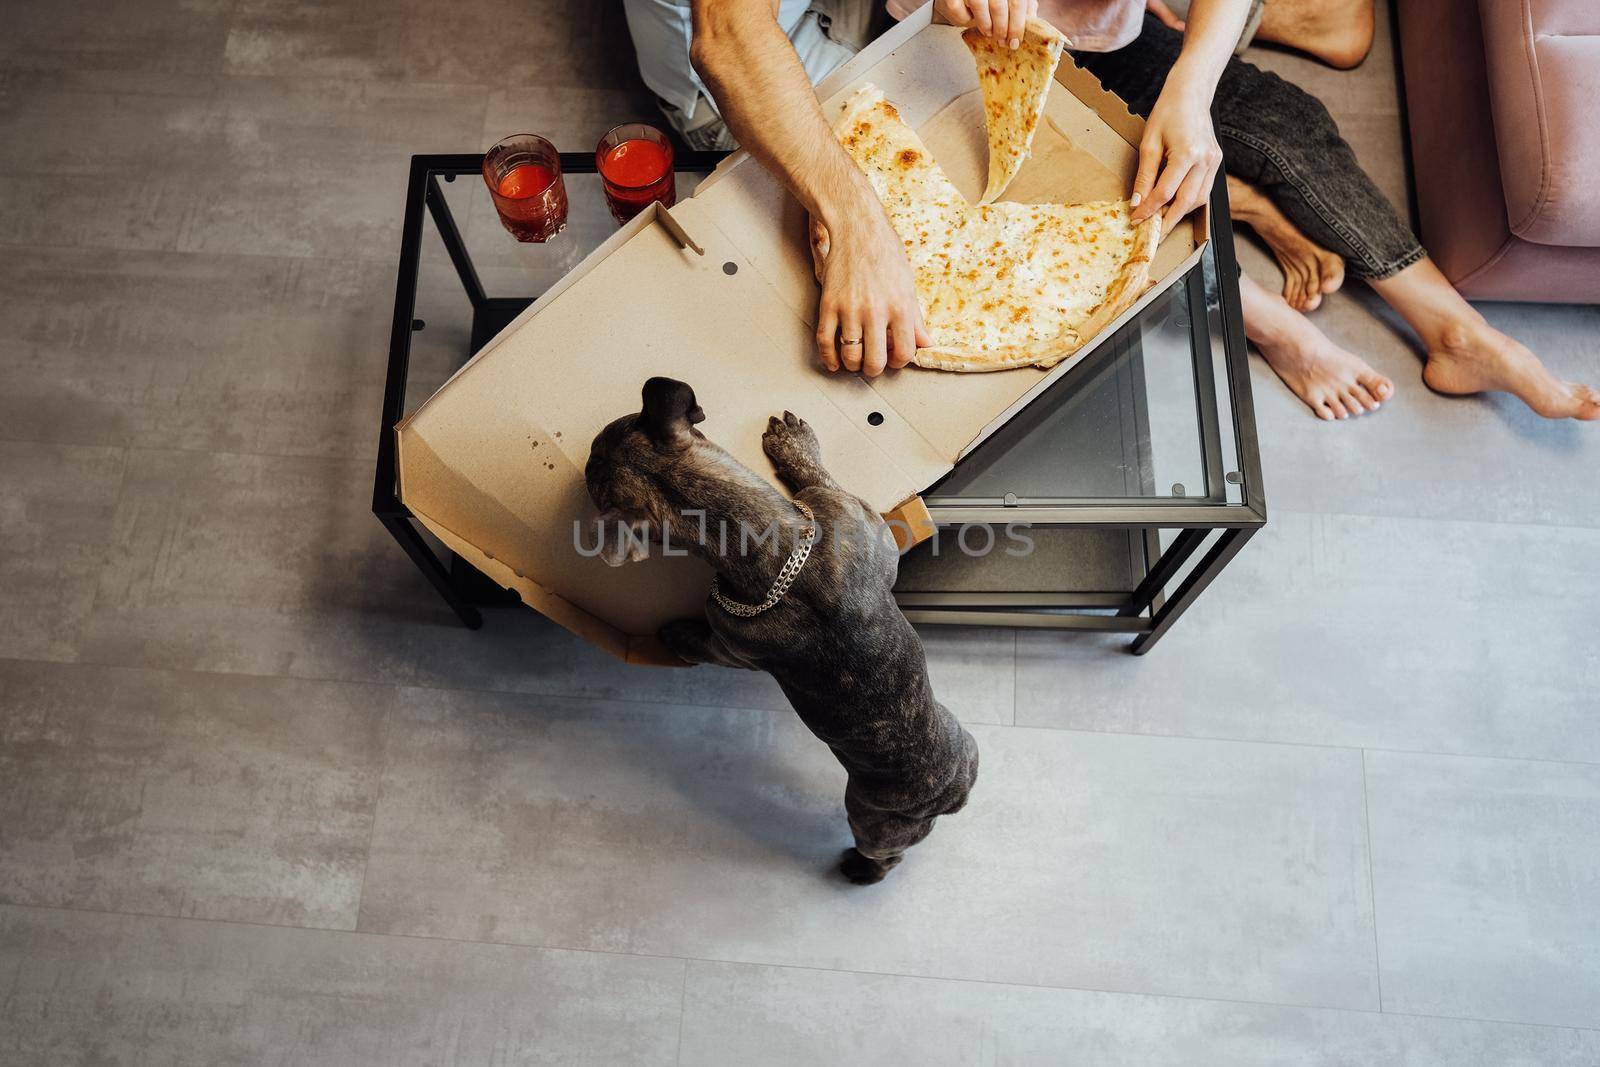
[[763, 94], [867, 315]]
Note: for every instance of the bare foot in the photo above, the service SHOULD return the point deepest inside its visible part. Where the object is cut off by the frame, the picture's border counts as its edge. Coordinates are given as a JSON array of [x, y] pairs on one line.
[[1338, 32], [1476, 357], [1333, 383], [1309, 270]]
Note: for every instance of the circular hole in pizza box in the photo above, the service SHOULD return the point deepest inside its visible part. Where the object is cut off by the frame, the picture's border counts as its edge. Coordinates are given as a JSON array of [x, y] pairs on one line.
[[875, 419], [730, 268]]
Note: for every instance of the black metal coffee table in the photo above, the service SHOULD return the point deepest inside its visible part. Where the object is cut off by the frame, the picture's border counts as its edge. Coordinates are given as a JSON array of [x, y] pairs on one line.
[[1136, 477]]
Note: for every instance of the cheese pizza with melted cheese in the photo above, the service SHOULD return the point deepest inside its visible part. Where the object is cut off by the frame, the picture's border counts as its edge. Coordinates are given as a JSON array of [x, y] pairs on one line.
[[1001, 285]]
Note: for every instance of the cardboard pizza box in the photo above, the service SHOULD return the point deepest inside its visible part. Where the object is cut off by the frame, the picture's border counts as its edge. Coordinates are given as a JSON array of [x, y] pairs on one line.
[[718, 291]]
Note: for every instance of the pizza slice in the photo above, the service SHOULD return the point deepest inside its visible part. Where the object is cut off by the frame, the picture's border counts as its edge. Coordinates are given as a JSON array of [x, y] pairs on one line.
[[923, 204], [1033, 283], [1015, 83], [925, 207]]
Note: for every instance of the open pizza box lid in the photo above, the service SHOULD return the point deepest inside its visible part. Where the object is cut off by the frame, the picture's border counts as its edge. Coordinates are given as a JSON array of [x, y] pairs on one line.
[[718, 291]]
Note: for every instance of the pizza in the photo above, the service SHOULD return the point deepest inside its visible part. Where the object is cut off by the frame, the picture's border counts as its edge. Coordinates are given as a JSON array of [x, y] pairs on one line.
[[1015, 83], [1001, 285]]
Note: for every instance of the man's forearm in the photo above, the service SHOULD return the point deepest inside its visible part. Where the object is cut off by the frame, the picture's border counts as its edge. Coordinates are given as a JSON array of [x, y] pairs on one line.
[[764, 96], [1209, 39]]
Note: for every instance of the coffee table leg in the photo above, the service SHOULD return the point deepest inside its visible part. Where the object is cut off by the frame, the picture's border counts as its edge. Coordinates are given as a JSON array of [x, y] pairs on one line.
[[423, 557], [1210, 565], [1170, 563], [445, 222]]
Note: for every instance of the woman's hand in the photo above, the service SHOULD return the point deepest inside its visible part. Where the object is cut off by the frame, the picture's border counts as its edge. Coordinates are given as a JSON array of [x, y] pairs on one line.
[[1179, 156], [1002, 20], [1165, 14]]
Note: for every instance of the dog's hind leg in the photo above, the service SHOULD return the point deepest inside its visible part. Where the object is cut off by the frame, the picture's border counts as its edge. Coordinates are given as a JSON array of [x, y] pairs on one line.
[[883, 849], [882, 838], [797, 457]]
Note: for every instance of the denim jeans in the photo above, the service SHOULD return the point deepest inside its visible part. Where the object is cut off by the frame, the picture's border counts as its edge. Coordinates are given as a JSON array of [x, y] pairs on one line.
[[1279, 138]]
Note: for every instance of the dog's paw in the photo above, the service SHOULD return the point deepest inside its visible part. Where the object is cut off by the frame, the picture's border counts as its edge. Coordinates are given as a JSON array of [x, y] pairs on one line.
[[789, 441], [860, 870], [685, 638]]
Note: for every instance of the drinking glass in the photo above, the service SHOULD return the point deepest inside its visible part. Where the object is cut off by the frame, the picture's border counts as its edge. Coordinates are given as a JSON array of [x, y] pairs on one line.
[[523, 173], [635, 164]]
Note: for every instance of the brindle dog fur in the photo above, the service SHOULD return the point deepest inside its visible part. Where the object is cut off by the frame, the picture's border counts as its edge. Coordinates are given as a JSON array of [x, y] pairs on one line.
[[837, 643]]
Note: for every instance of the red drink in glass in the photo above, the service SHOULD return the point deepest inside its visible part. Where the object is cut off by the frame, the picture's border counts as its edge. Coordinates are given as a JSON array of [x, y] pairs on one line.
[[635, 163], [523, 174]]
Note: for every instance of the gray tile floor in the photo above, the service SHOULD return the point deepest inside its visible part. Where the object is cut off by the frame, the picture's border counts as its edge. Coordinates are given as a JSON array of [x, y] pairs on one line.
[[261, 801]]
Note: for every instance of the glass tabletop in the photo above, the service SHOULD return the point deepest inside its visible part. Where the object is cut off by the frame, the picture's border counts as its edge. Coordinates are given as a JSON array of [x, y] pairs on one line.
[[512, 269], [511, 273], [1148, 418]]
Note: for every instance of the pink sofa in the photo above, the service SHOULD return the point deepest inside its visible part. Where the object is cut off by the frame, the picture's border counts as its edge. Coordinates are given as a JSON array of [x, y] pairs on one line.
[[1503, 100]]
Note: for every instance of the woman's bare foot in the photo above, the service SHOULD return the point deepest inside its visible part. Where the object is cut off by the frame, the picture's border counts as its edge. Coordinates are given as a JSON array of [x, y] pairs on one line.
[[1474, 357], [1333, 383], [1309, 270], [1467, 355], [1338, 32]]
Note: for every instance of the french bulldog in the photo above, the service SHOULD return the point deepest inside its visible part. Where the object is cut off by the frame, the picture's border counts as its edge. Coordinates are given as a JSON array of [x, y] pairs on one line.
[[836, 641]]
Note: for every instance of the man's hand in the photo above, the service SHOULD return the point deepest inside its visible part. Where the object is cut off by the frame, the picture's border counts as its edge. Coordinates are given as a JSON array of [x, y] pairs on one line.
[[868, 297], [1001, 20], [1178, 158]]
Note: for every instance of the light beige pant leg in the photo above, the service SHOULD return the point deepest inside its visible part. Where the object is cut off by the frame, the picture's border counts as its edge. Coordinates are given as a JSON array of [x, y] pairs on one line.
[[831, 32], [849, 22]]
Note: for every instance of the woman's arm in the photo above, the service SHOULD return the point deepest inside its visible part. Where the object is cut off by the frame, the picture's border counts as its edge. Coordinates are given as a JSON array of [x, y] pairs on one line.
[[1179, 156]]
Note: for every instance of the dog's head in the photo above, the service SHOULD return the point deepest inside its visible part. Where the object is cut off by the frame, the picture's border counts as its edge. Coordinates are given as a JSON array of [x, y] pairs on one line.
[[635, 460]]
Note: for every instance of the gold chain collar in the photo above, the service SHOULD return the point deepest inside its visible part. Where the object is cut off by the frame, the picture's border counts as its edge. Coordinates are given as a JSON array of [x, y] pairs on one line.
[[786, 576]]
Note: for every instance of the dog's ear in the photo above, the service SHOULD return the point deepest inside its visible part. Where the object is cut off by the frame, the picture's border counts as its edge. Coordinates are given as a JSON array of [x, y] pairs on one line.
[[669, 411]]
